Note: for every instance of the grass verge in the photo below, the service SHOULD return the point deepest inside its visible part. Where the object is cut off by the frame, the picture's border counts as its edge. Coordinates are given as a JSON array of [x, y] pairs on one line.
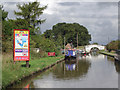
[[108, 53], [14, 72]]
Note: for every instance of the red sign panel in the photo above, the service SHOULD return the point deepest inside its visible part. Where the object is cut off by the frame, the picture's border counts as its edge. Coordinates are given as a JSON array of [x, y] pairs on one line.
[[21, 45], [51, 53]]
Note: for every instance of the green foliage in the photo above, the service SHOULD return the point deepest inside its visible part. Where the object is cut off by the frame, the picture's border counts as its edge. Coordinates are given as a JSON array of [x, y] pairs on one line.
[[113, 45], [69, 31], [4, 13], [45, 44], [30, 20], [48, 33], [7, 32], [34, 55], [14, 72], [95, 43], [30, 12]]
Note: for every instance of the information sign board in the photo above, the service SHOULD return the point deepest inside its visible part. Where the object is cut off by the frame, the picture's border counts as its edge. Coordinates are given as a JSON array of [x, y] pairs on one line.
[[21, 45], [51, 53]]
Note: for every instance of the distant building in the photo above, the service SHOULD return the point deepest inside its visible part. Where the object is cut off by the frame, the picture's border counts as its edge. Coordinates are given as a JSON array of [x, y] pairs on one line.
[[68, 46]]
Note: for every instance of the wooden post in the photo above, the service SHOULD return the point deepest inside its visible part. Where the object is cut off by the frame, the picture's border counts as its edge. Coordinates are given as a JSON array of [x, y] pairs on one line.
[[27, 64], [14, 62]]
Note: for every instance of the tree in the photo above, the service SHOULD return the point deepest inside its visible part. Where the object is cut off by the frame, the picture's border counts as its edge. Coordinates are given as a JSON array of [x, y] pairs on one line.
[[113, 45], [7, 26], [48, 33], [30, 13], [3, 12], [70, 32], [95, 43]]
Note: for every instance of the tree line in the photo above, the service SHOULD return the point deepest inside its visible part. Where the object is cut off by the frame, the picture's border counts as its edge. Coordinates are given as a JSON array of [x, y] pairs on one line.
[[71, 32], [113, 45], [28, 17]]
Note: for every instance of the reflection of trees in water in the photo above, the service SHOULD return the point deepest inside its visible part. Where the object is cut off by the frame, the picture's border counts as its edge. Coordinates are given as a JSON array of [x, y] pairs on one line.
[[110, 58], [81, 69], [29, 80], [94, 53], [117, 66], [32, 85], [22, 84], [116, 63]]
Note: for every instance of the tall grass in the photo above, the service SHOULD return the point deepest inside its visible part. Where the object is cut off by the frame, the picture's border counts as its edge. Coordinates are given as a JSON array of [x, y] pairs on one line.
[[7, 62], [14, 72], [8, 67]]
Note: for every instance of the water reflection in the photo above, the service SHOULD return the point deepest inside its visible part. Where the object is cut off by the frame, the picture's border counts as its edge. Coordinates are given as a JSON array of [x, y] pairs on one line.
[[116, 63], [71, 69], [117, 66], [94, 53], [110, 58], [93, 71], [27, 82], [70, 66]]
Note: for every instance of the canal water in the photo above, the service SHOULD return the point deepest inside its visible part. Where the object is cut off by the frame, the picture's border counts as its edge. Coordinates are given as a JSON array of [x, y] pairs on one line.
[[92, 71]]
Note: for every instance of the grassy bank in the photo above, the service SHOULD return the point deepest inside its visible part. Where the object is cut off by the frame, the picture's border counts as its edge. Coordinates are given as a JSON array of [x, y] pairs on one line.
[[14, 72], [108, 53]]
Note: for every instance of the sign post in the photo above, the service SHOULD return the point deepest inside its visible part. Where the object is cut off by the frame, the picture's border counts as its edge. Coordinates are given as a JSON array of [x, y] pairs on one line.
[[21, 46]]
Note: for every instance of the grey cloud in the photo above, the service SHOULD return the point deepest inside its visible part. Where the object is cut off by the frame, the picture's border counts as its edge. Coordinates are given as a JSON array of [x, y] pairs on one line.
[[10, 7], [107, 4], [90, 10], [104, 23], [95, 16], [102, 30], [50, 21], [69, 3], [10, 3]]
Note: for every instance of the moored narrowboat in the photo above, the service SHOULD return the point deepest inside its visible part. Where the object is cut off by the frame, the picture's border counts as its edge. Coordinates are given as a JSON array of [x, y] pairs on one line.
[[70, 53]]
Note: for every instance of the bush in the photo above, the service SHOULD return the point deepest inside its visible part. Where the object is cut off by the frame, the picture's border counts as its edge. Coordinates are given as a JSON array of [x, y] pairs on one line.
[[113, 45], [35, 55], [7, 46]]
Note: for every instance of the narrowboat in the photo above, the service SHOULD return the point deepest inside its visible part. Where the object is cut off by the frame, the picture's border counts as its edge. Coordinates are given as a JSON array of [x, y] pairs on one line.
[[70, 54]]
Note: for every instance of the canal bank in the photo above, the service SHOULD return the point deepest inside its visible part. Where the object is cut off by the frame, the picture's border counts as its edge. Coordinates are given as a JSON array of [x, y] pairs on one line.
[[93, 71], [108, 54], [17, 72]]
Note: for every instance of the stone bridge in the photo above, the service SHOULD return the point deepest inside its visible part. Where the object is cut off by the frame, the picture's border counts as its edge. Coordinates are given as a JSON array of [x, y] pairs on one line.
[[88, 48]]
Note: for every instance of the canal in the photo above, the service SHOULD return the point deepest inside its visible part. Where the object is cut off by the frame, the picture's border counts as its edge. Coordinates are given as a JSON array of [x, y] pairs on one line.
[[93, 71]]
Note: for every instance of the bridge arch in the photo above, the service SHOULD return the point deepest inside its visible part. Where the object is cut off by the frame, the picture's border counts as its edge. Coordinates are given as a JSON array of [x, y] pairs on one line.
[[94, 49], [89, 47]]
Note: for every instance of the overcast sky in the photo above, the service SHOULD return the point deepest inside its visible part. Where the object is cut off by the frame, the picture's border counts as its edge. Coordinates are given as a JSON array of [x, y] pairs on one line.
[[100, 17]]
